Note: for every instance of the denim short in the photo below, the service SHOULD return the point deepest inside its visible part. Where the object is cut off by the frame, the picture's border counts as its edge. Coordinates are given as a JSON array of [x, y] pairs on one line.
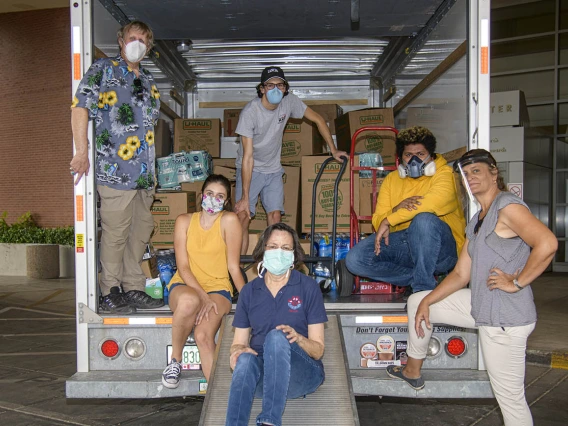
[[224, 293]]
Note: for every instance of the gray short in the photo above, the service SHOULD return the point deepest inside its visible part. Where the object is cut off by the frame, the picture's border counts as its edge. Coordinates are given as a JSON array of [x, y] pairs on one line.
[[270, 188]]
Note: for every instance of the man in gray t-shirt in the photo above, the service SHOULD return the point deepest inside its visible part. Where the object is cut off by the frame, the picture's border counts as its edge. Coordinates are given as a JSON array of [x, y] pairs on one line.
[[261, 126]]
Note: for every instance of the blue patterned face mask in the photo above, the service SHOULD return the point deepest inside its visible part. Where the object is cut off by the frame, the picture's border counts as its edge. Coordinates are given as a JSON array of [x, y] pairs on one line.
[[274, 96], [278, 261], [212, 205]]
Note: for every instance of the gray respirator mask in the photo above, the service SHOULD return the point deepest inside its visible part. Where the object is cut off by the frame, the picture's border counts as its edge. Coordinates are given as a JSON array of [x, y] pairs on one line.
[[416, 168]]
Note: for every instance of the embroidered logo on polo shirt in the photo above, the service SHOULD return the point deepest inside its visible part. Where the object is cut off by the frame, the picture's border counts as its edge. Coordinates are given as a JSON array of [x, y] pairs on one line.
[[282, 118], [294, 303]]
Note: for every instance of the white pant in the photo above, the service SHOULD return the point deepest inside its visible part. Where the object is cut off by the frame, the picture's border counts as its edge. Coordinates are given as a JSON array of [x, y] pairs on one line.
[[503, 350]]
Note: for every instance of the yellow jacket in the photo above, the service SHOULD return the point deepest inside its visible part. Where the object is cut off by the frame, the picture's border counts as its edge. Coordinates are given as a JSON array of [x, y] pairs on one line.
[[440, 198]]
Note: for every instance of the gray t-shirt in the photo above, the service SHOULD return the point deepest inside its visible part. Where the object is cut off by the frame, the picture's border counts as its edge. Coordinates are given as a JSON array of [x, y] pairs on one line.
[[487, 251], [266, 128]]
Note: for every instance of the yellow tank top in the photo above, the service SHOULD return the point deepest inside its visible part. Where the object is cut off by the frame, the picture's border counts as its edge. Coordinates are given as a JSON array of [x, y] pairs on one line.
[[207, 253]]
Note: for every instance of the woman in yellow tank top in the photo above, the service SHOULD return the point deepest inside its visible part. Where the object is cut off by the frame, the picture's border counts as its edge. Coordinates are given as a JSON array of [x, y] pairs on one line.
[[207, 246]]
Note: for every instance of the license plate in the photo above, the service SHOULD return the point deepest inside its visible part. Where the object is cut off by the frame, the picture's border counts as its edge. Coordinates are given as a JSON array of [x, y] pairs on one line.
[[190, 359]]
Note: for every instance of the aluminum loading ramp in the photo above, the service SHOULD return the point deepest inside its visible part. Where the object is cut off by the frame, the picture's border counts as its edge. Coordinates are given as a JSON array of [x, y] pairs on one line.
[[332, 404]]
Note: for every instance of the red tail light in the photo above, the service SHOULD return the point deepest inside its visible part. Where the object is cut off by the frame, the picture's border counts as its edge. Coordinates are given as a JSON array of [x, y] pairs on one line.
[[110, 348], [456, 346]]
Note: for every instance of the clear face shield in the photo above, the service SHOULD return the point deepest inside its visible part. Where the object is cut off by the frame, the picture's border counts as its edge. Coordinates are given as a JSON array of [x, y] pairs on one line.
[[466, 160]]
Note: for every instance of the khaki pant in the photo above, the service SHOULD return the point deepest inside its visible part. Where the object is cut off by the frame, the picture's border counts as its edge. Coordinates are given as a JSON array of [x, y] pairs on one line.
[[126, 228], [503, 350]]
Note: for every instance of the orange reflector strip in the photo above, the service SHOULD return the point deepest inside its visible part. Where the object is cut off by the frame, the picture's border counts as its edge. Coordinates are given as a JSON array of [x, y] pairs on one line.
[[79, 207], [76, 66], [395, 319], [485, 60], [162, 321], [115, 321]]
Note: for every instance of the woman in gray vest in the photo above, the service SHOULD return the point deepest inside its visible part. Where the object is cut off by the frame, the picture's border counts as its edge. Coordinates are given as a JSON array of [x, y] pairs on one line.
[[506, 249]]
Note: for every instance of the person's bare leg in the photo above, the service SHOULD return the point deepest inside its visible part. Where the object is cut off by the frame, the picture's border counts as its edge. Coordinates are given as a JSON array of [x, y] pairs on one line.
[[245, 222], [274, 217], [206, 330], [184, 303], [412, 368]]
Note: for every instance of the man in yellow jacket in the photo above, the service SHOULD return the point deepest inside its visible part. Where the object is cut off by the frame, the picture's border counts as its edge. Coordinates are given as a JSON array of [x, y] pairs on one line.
[[418, 218]]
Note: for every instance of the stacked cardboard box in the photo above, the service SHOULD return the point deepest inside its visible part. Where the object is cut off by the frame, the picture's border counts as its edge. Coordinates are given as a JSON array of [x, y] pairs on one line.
[[165, 210], [329, 112], [300, 138], [162, 139], [382, 142], [198, 134], [230, 121]]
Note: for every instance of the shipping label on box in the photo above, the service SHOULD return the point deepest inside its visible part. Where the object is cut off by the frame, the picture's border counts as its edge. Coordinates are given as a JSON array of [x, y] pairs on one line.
[[230, 121], [291, 180], [300, 138], [325, 198], [165, 210], [329, 112], [509, 109], [382, 142], [201, 134]]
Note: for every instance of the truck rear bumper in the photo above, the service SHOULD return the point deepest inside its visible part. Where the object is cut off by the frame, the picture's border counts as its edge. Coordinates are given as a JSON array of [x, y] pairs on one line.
[[130, 384], [439, 384]]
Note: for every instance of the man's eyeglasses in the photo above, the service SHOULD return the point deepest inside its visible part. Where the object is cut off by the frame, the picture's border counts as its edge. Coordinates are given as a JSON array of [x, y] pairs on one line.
[[138, 89], [270, 86], [274, 247]]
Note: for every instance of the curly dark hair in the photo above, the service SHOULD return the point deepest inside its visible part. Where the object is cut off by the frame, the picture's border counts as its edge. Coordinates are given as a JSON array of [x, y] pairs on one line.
[[222, 180], [415, 135], [258, 252]]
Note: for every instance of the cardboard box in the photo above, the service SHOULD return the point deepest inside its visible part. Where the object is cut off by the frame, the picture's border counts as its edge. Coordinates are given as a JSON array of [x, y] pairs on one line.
[[520, 144], [300, 138], [229, 172], [150, 267], [162, 139], [198, 134], [154, 288], [509, 109], [325, 195], [382, 142], [230, 121], [329, 112], [225, 162], [291, 179], [366, 206], [165, 210]]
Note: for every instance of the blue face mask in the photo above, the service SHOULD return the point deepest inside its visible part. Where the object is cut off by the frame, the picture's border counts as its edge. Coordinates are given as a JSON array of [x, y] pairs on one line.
[[278, 261], [274, 96]]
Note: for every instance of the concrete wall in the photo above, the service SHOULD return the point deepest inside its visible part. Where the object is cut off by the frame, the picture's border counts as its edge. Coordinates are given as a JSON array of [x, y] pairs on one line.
[[35, 130]]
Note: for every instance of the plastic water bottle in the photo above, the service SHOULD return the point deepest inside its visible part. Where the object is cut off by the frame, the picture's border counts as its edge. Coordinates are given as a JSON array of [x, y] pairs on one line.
[[324, 246], [315, 243]]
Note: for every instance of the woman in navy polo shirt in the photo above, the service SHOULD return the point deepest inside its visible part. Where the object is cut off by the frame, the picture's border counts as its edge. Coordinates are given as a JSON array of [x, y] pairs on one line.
[[279, 332]]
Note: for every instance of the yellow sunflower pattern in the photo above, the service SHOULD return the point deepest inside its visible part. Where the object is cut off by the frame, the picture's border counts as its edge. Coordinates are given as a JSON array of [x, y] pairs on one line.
[[155, 92], [133, 143], [125, 152], [150, 137], [75, 102]]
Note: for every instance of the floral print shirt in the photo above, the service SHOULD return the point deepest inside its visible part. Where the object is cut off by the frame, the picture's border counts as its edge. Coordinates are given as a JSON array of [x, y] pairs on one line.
[[125, 109]]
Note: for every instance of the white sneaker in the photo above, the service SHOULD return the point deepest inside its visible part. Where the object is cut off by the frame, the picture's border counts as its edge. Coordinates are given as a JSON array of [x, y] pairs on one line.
[[171, 374]]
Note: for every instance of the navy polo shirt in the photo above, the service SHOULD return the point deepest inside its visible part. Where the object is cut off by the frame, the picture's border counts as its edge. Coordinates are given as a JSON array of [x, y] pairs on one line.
[[298, 304]]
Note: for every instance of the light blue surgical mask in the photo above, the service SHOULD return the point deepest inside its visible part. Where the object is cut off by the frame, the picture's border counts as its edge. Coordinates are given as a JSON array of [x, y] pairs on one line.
[[274, 96], [278, 261]]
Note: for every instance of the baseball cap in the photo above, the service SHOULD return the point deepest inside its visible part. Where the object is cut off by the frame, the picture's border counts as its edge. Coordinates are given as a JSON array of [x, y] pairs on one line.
[[270, 72]]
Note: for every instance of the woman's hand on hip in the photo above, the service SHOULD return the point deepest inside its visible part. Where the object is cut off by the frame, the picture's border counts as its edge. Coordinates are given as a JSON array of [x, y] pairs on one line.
[[502, 281], [237, 352], [422, 314], [291, 334], [206, 305]]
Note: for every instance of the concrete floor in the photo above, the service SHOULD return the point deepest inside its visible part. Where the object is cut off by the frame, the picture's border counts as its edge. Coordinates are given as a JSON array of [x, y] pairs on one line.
[[37, 354]]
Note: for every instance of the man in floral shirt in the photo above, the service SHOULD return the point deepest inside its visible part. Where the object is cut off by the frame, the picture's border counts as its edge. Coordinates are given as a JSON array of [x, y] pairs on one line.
[[121, 98]]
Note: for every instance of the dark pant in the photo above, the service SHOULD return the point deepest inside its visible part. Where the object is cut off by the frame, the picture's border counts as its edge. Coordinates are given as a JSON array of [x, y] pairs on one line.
[[284, 372], [413, 256]]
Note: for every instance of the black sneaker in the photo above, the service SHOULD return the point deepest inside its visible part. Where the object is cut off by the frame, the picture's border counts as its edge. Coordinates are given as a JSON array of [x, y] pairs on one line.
[[115, 303], [140, 300]]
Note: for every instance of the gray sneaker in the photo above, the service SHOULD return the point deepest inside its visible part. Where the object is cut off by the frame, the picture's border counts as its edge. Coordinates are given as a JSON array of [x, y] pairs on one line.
[[140, 300], [396, 373], [115, 303], [171, 374]]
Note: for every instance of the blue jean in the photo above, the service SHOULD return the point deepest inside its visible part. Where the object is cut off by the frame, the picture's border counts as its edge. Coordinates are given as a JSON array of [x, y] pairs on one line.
[[413, 256], [284, 372]]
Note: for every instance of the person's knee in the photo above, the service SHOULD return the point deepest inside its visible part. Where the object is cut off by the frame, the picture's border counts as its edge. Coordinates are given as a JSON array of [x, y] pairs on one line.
[[424, 221], [274, 217], [246, 362], [187, 305], [202, 338], [275, 338], [413, 302]]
